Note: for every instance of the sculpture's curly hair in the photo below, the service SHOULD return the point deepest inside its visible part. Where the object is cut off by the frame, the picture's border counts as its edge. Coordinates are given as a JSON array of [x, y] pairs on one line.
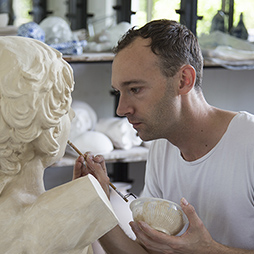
[[35, 92]]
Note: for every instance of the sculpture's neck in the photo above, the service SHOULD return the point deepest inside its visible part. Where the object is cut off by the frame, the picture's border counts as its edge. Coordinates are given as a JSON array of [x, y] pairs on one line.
[[27, 185]]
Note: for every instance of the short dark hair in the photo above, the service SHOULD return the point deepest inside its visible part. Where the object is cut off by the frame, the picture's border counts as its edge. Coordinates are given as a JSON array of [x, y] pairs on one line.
[[174, 43]]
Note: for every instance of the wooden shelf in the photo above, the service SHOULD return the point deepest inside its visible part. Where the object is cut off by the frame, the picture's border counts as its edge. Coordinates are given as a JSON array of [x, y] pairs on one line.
[[135, 154], [90, 57]]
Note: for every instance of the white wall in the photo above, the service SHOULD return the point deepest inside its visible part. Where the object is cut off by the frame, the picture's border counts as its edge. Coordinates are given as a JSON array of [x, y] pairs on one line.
[[93, 85], [104, 14], [102, 10], [227, 89], [59, 7]]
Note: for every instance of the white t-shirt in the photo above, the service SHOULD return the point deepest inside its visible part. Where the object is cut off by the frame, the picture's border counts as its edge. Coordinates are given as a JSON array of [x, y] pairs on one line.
[[220, 185]]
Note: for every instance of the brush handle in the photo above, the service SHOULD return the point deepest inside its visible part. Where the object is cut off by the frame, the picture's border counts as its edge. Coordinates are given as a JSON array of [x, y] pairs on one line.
[[111, 184]]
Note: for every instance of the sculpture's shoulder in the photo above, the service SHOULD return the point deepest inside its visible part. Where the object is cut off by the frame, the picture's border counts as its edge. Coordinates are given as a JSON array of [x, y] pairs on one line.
[[11, 224]]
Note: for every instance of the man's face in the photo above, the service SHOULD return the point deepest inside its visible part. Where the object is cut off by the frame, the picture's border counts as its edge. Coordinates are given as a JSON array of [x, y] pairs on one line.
[[147, 98]]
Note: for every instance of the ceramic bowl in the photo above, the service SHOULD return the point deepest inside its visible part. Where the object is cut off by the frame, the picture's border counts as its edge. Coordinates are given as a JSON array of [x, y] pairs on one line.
[[162, 215]]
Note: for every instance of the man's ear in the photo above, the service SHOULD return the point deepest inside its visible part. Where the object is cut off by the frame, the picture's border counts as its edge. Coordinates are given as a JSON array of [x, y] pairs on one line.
[[187, 79]]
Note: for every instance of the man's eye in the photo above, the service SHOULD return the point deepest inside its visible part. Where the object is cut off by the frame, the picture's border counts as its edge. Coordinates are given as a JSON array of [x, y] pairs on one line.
[[115, 92], [135, 90]]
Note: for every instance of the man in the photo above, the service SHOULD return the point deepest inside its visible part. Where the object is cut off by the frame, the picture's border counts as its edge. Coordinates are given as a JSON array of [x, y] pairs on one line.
[[200, 152]]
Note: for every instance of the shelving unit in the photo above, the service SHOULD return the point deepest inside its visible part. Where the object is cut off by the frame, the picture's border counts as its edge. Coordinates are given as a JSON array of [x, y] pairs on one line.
[[90, 57], [135, 154]]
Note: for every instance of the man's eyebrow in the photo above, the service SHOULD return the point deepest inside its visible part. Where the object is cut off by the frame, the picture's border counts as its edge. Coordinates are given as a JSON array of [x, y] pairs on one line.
[[130, 82]]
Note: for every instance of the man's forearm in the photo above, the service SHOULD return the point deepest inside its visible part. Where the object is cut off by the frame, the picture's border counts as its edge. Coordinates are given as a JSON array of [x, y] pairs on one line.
[[218, 248]]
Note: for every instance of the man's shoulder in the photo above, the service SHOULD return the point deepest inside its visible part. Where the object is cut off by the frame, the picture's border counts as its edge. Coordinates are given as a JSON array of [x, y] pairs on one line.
[[244, 121], [241, 130]]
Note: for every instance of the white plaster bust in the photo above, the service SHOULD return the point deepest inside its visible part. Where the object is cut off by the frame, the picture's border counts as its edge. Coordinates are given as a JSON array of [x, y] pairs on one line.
[[35, 119]]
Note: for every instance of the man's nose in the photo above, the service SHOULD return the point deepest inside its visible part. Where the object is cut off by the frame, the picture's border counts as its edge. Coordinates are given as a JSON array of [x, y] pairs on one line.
[[123, 107]]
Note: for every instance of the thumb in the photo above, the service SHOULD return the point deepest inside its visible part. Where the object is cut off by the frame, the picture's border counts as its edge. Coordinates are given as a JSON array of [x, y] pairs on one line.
[[196, 226], [190, 212]]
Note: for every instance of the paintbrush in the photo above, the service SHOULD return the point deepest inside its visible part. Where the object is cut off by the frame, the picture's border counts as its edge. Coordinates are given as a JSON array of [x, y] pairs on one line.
[[124, 197]]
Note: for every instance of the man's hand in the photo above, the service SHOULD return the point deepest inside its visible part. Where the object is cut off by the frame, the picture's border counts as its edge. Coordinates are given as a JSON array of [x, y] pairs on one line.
[[195, 240], [79, 169], [95, 165]]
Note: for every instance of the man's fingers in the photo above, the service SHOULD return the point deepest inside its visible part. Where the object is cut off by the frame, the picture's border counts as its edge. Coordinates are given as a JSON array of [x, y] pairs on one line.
[[191, 214]]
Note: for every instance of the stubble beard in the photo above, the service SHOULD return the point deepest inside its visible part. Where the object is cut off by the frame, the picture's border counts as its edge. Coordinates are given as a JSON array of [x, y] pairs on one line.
[[160, 122]]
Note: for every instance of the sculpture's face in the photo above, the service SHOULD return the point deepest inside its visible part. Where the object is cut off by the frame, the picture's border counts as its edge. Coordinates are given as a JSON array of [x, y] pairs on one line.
[[62, 138], [65, 132]]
